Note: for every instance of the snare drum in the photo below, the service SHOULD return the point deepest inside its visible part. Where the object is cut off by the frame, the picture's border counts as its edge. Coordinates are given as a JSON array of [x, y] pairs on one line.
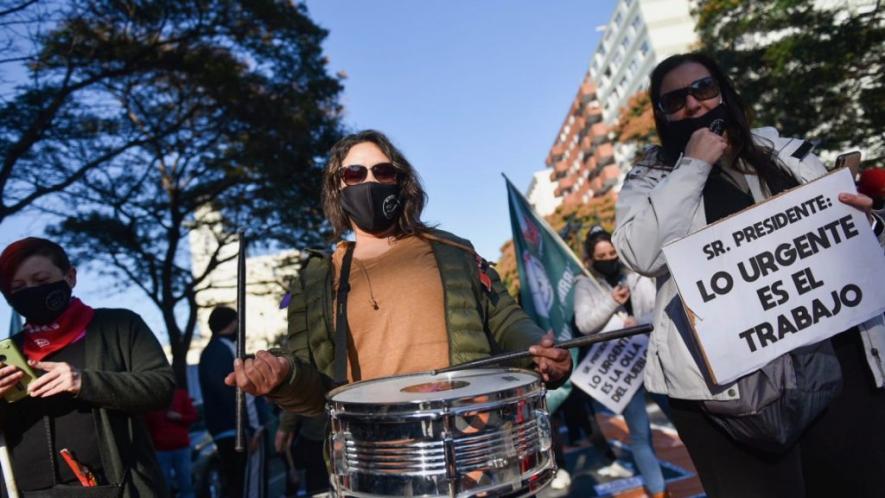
[[483, 432]]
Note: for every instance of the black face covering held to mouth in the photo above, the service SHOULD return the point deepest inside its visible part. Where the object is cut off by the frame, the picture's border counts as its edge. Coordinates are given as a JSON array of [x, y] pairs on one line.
[[374, 207], [677, 133], [41, 304]]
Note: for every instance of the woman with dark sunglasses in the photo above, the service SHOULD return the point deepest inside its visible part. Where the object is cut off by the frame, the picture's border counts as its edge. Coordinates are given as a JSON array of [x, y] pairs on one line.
[[418, 299], [711, 164]]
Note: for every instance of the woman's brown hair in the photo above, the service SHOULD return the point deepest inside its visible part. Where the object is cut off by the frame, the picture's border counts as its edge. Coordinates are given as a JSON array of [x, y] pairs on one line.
[[411, 192]]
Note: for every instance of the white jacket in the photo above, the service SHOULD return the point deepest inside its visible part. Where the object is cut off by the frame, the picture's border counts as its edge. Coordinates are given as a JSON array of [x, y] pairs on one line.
[[659, 204], [597, 311]]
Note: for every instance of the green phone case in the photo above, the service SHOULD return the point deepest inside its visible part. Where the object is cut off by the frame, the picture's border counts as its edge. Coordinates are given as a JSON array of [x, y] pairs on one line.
[[10, 355]]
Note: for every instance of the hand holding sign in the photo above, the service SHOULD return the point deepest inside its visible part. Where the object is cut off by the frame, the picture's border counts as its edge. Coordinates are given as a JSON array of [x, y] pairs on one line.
[[858, 201]]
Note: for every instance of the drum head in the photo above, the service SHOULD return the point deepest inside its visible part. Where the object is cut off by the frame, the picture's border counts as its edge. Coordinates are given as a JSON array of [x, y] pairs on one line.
[[425, 387]]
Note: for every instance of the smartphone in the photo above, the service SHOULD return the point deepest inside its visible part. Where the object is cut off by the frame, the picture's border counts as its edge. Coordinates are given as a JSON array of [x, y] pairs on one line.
[[850, 160], [10, 355]]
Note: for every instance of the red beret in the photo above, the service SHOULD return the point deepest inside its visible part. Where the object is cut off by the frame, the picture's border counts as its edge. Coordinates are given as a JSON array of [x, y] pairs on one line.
[[872, 183]]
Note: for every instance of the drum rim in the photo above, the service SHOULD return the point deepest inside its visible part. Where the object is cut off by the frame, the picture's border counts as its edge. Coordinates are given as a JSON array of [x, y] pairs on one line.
[[340, 389]]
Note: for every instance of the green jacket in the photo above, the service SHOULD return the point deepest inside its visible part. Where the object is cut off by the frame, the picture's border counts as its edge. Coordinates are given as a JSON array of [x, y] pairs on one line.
[[471, 311], [125, 375]]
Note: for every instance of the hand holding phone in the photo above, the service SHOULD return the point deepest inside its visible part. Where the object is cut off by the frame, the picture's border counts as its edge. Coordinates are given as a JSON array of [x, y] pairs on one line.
[[850, 160], [16, 374]]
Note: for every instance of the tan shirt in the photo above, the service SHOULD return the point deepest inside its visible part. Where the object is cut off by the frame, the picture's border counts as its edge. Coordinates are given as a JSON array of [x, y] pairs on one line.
[[396, 312]]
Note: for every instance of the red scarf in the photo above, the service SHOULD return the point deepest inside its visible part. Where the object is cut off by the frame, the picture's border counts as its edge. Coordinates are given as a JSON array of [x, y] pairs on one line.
[[41, 341]]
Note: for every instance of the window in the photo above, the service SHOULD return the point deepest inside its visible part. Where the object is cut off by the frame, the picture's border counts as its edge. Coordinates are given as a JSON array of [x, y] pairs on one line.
[[622, 85], [644, 48], [618, 18], [636, 23], [634, 65], [625, 42]]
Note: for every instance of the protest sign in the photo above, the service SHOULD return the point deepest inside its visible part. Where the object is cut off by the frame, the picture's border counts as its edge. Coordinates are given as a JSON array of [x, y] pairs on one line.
[[794, 270], [612, 371]]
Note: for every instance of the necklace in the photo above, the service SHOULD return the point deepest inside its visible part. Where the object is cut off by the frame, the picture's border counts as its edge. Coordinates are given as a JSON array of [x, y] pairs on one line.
[[372, 300]]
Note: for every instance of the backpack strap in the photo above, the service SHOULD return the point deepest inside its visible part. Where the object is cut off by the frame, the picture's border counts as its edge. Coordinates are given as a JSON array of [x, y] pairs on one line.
[[341, 328]]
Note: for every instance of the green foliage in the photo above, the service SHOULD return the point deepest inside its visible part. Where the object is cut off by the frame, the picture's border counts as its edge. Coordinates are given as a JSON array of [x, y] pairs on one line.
[[142, 113], [810, 72]]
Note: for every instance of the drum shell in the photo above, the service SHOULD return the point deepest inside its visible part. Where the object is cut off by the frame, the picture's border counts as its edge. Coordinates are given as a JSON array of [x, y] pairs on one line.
[[495, 444]]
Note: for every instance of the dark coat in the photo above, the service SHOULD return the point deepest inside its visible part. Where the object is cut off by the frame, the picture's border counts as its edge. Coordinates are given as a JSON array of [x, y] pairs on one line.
[[125, 375], [219, 399]]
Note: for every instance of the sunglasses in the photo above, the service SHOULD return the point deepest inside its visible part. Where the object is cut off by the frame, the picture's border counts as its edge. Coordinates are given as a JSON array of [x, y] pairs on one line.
[[383, 172], [702, 89]]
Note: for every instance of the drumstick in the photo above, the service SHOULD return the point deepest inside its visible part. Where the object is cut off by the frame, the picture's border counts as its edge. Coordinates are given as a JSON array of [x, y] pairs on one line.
[[573, 343], [240, 444]]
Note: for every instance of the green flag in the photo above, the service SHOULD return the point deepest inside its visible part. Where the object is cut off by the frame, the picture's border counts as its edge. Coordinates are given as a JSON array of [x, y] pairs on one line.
[[547, 272]]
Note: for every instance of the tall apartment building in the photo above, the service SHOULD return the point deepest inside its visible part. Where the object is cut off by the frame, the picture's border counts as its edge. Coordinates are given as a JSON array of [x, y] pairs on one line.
[[581, 161], [639, 35], [584, 160], [541, 193]]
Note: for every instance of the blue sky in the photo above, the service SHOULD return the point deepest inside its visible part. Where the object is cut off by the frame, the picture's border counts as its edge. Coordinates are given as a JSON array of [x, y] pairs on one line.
[[466, 89]]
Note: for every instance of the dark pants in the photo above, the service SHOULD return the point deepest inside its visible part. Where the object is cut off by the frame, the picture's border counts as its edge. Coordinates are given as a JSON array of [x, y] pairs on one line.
[[841, 454], [233, 467], [308, 455], [579, 415]]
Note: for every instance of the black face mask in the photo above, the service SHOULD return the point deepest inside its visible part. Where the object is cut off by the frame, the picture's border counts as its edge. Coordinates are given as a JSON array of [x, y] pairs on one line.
[[677, 133], [373, 206], [41, 304], [610, 268]]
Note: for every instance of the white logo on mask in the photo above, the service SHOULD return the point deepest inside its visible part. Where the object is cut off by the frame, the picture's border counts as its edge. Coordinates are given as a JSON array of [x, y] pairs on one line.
[[389, 206]]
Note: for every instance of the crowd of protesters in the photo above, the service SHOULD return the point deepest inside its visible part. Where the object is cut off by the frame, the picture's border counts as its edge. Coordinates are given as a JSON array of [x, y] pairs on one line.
[[103, 409]]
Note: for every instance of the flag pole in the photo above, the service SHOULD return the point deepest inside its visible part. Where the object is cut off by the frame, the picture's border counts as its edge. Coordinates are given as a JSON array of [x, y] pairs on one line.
[[15, 324]]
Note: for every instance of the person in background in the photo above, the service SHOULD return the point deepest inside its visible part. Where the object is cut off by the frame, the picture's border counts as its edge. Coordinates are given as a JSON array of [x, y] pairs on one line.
[[219, 401], [101, 370], [710, 165], [616, 298], [300, 441], [169, 431], [872, 184]]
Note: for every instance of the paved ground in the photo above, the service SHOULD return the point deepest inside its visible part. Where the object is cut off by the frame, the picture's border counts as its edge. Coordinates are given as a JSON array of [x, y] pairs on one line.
[[583, 462]]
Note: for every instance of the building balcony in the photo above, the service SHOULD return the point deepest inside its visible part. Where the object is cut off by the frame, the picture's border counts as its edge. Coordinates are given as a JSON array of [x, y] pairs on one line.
[[592, 114], [599, 133], [610, 172], [604, 154], [586, 142]]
